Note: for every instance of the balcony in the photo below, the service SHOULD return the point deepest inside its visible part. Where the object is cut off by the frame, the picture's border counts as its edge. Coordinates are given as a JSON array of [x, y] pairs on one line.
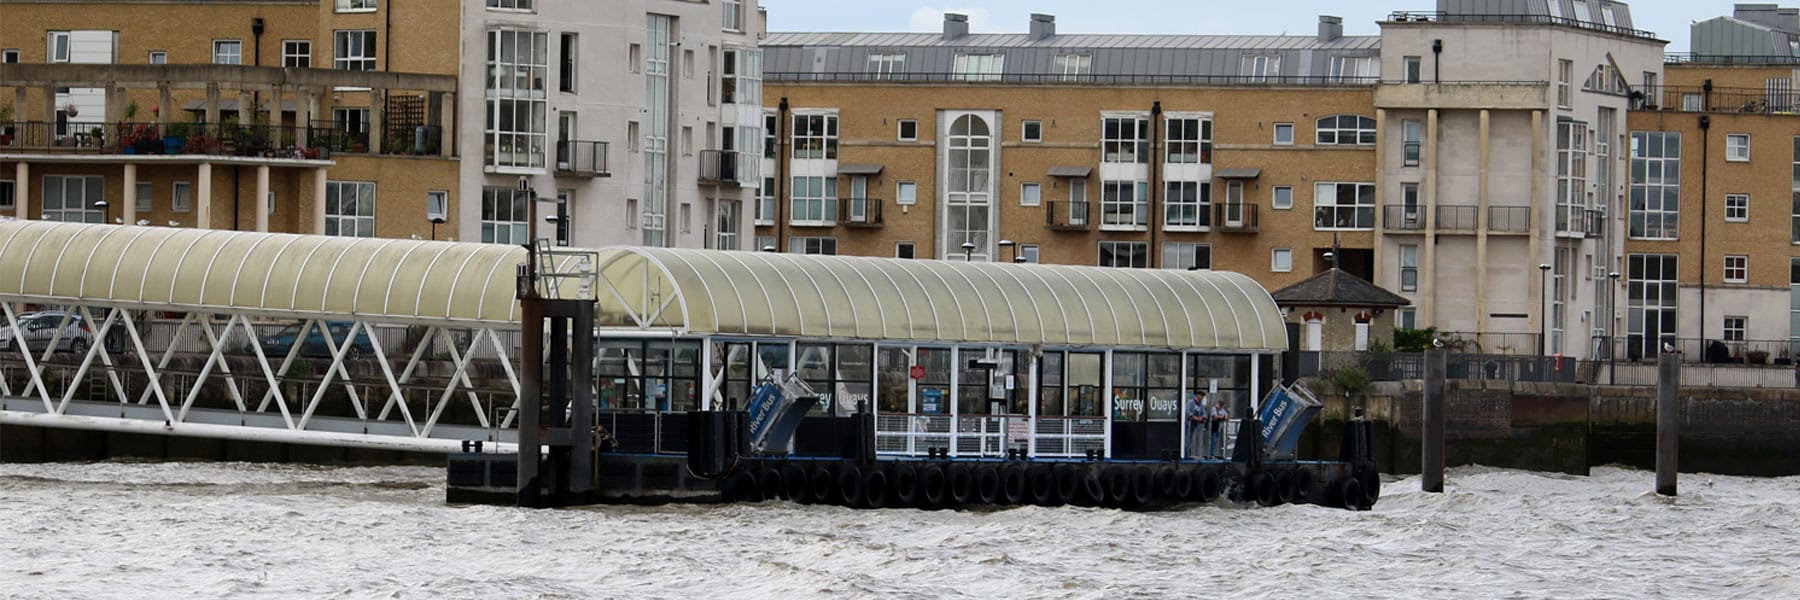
[[1573, 221], [1594, 222], [1069, 216], [1671, 98], [575, 158], [1398, 217], [1235, 217], [1509, 219], [728, 167], [859, 212], [174, 139], [1457, 219]]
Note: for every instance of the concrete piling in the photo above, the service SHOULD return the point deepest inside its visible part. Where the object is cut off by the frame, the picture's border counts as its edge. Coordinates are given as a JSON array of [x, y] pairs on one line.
[[1668, 420], [1432, 479]]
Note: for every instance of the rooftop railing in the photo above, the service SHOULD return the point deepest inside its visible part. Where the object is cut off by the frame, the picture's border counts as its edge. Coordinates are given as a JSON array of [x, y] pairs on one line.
[[1716, 99], [1060, 78], [1432, 16], [1684, 58]]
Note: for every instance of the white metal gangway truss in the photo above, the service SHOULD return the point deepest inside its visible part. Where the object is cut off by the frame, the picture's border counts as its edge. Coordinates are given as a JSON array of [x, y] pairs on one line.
[[264, 337]]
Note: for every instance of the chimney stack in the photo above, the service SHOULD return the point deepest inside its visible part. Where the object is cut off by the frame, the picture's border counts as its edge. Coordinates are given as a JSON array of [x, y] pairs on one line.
[[955, 25], [1042, 26], [1330, 28]]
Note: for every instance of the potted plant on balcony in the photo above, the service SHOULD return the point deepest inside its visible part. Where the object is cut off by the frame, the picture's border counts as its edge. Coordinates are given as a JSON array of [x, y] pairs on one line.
[[175, 138], [6, 124], [1757, 357]]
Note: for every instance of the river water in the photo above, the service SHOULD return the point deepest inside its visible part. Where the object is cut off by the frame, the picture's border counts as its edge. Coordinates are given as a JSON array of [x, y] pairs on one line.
[[163, 530]]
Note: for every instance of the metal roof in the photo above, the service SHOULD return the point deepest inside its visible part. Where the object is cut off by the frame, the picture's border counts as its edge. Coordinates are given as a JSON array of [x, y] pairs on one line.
[[1073, 41]]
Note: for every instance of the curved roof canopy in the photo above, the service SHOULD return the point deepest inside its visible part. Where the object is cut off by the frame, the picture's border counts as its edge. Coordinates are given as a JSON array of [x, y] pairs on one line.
[[932, 300], [677, 290]]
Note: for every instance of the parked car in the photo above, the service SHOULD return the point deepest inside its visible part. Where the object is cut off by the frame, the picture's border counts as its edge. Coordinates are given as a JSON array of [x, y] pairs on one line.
[[314, 346], [40, 327]]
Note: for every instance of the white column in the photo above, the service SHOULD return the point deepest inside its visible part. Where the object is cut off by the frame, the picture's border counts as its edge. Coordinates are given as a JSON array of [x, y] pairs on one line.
[[955, 410], [262, 198], [22, 189], [1031, 408], [203, 197], [128, 210], [318, 201]]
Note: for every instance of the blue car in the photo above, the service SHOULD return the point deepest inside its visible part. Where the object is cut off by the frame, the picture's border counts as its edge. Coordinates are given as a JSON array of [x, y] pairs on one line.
[[314, 346]]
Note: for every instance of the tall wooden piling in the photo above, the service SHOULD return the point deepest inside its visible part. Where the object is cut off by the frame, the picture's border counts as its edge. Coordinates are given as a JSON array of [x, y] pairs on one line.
[[1433, 468], [1668, 420]]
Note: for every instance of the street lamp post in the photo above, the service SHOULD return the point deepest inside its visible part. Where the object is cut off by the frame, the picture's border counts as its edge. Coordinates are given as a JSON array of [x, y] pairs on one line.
[[435, 221], [105, 210], [1612, 337], [968, 249], [1011, 249], [1544, 318]]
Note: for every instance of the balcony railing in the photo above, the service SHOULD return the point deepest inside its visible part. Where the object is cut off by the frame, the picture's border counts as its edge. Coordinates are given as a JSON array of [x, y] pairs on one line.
[[1457, 218], [1235, 217], [579, 158], [1719, 99], [1509, 219], [1453, 17], [860, 212], [1400, 217], [227, 139], [1069, 216], [1638, 347], [727, 167], [1065, 78], [1683, 58]]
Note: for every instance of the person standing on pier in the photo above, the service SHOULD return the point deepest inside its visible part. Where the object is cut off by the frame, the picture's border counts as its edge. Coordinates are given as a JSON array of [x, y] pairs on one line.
[[1219, 417], [1197, 428]]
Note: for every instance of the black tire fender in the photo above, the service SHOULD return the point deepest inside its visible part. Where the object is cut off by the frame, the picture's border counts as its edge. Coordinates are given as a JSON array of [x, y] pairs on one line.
[[961, 482]]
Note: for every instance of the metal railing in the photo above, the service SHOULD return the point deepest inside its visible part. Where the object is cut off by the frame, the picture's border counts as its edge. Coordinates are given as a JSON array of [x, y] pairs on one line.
[[1458, 218], [1400, 217], [131, 138], [1717, 99], [1509, 219], [1432, 16], [860, 212], [725, 166], [1235, 217], [581, 158], [413, 140], [1069, 436], [1069, 216], [1061, 78], [1682, 58], [1638, 348], [1402, 366]]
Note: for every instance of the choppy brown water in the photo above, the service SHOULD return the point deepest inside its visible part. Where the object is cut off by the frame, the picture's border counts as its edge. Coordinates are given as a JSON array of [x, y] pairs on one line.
[[119, 530]]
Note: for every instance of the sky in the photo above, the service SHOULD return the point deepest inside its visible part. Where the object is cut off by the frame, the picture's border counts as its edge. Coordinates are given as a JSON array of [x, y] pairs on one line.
[[1668, 18]]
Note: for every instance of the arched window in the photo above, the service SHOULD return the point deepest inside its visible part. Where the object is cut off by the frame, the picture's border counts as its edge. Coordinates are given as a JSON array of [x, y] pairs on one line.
[[967, 196], [1346, 130]]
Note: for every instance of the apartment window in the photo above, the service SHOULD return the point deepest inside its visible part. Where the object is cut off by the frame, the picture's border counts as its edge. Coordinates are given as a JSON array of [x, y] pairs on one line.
[[1414, 69], [146, 196], [72, 198], [1029, 252], [1125, 140], [1734, 328], [181, 196], [1078, 195], [815, 136], [814, 201], [1189, 140], [517, 123], [58, 48], [1581, 12], [1737, 268], [812, 245], [1692, 102], [1346, 130], [634, 58], [1655, 203], [1186, 256], [296, 54], [1412, 141], [906, 193], [157, 57], [437, 205], [226, 52], [569, 46], [1737, 207], [1260, 69], [1651, 285], [687, 140], [979, 67], [1409, 268], [355, 50], [1406, 318], [1571, 176], [350, 208], [505, 215], [1565, 77], [1737, 147], [728, 222], [1029, 194], [355, 5], [742, 81], [351, 121], [1129, 255], [1187, 205], [1343, 206], [1124, 205], [510, 4], [1073, 67], [1031, 131], [1354, 69], [765, 203], [909, 130], [734, 15], [1283, 197], [1281, 260], [8, 202], [886, 66], [1410, 217], [1284, 134], [903, 250]]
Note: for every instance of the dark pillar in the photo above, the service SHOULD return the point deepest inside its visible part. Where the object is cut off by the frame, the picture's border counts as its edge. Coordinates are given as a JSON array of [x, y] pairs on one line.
[[1668, 420], [1432, 479]]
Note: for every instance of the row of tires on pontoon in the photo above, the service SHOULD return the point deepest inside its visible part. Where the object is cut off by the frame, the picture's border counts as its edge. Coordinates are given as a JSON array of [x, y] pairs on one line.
[[947, 484]]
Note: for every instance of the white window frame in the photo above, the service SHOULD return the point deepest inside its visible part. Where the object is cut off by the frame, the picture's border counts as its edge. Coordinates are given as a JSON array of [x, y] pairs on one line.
[[159, 57], [900, 130], [733, 18], [353, 50], [1737, 208], [221, 57], [906, 193], [504, 217], [1281, 127], [1184, 257], [1412, 68], [1737, 147], [886, 66], [437, 205], [1073, 67], [1177, 204], [1031, 194], [1409, 267], [1361, 130], [355, 6], [1653, 192], [1101, 251], [979, 67], [58, 48], [1275, 197], [512, 5], [1114, 202], [181, 196], [813, 201], [1281, 260], [1324, 201], [1029, 252], [1354, 69], [1261, 68], [359, 223], [1565, 80], [1125, 140], [296, 54], [911, 250], [146, 198], [1733, 327], [1737, 268], [817, 245], [520, 91], [1180, 147], [807, 142], [1025, 128]]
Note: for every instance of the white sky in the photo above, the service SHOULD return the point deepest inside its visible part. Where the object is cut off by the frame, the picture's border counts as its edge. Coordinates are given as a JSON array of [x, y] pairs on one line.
[[1668, 18]]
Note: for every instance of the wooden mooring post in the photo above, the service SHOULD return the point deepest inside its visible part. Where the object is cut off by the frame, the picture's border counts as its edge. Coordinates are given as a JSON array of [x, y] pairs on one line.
[[1432, 478], [1668, 420]]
